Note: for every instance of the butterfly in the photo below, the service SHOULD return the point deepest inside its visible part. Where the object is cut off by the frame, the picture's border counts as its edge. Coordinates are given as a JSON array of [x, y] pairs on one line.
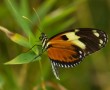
[[69, 48]]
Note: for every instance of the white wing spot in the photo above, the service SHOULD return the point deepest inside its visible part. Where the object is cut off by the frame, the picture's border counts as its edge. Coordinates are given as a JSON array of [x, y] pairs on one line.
[[71, 65], [76, 30], [105, 39], [88, 52], [101, 41], [59, 65], [79, 62], [65, 66], [74, 38], [104, 35], [71, 36], [62, 65], [76, 63], [54, 63], [100, 45], [68, 66], [96, 33], [80, 52], [80, 56]]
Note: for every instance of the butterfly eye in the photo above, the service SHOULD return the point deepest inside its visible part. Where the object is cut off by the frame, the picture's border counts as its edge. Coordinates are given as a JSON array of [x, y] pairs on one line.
[[42, 36]]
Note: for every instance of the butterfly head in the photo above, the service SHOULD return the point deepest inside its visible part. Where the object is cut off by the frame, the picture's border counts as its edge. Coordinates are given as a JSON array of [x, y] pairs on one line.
[[42, 36]]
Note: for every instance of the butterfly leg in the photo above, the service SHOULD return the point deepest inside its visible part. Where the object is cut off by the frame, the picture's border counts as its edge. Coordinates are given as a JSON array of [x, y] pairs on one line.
[[33, 47]]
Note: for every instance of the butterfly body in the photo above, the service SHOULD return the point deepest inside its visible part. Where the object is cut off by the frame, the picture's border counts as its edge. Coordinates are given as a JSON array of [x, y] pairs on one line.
[[68, 48]]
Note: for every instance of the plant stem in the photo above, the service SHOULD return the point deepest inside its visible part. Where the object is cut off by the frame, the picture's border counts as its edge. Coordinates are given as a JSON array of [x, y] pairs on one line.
[[42, 78]]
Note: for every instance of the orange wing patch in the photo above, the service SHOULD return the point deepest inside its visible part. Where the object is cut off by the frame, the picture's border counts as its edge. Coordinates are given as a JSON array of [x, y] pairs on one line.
[[65, 54]]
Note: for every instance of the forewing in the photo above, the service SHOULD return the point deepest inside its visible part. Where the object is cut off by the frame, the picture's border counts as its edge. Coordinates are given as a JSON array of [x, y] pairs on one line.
[[88, 39]]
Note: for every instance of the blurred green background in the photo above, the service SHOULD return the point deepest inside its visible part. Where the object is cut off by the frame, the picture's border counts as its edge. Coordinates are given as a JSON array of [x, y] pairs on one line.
[[55, 16]]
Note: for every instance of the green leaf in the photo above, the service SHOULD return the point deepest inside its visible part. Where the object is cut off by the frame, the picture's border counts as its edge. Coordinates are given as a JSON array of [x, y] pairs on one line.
[[24, 9], [19, 39], [1, 82], [15, 37], [58, 15], [62, 27], [23, 58], [43, 10], [18, 17], [65, 24]]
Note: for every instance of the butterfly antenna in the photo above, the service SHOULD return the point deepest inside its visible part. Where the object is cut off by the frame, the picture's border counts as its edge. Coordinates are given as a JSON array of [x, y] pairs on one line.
[[30, 21], [39, 21], [27, 19]]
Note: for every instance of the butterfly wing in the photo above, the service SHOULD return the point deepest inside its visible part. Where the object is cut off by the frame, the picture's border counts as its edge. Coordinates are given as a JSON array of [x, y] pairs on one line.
[[88, 39], [64, 55], [67, 49]]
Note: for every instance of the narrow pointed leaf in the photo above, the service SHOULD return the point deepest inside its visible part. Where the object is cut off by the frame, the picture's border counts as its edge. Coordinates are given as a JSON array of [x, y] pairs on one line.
[[43, 10], [15, 37], [18, 17], [62, 27], [24, 8], [23, 58]]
